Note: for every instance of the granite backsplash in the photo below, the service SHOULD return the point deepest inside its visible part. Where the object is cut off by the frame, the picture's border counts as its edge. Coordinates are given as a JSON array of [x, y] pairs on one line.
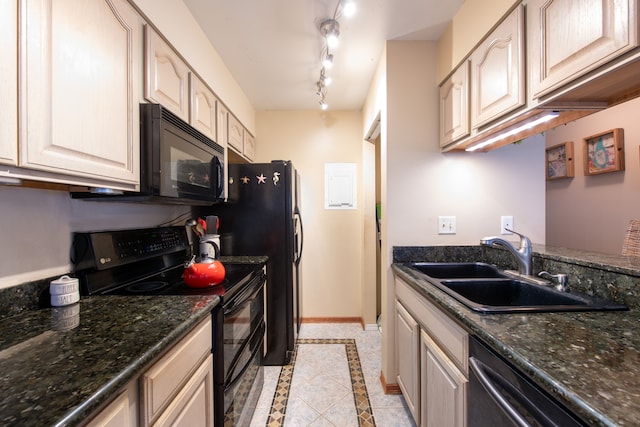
[[616, 278]]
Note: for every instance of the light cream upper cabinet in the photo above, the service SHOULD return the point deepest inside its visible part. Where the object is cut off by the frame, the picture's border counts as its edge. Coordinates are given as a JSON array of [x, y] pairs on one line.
[[9, 82], [576, 36], [202, 113], [444, 386], [408, 359], [235, 134], [79, 87], [454, 106], [248, 145], [498, 83], [166, 77], [222, 120]]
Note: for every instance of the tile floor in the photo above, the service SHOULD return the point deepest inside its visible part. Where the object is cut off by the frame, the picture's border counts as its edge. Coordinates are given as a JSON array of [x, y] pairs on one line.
[[334, 380]]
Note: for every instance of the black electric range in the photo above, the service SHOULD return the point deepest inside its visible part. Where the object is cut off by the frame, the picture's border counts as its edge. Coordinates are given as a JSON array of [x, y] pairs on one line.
[[151, 262]]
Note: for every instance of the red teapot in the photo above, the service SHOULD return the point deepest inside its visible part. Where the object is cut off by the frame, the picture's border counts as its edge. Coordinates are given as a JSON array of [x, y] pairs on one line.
[[206, 273]]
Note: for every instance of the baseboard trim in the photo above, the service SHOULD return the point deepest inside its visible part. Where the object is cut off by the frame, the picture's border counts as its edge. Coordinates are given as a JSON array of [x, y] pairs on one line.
[[389, 388], [332, 320]]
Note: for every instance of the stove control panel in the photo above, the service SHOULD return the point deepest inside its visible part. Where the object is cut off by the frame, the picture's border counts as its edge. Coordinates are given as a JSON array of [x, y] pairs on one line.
[[109, 249]]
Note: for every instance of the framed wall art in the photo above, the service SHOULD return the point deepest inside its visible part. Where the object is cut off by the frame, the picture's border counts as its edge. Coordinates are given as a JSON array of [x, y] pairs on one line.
[[604, 152], [559, 161]]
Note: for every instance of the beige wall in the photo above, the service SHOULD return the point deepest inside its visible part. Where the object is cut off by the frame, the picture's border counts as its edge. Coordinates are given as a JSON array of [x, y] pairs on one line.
[[420, 183], [592, 212], [332, 254], [471, 23], [37, 225]]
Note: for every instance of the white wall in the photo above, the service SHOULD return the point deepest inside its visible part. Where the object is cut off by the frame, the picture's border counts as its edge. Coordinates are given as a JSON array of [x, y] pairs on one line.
[[421, 183], [592, 212], [332, 254]]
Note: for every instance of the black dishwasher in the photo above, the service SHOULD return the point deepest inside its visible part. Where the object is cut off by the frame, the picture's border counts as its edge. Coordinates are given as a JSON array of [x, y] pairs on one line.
[[499, 395]]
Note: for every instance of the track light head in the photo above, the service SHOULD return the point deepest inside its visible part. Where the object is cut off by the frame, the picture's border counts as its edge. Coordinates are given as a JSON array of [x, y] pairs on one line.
[[330, 30]]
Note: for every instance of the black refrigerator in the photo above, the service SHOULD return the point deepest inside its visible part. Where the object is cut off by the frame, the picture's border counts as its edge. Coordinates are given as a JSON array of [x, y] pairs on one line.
[[262, 217]]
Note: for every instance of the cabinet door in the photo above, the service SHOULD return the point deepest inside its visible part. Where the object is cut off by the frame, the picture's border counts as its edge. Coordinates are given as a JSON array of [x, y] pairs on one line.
[[79, 88], [444, 388], [9, 82], [202, 114], [408, 359], [166, 75], [121, 412], [576, 36], [498, 71], [193, 406], [166, 379], [222, 120], [248, 145], [236, 134], [454, 106]]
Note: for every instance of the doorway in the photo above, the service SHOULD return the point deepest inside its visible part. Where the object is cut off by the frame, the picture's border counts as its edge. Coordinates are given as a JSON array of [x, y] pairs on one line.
[[372, 295]]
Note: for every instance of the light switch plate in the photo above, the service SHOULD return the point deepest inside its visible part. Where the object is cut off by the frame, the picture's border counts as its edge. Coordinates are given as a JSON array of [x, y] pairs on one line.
[[506, 221], [446, 225]]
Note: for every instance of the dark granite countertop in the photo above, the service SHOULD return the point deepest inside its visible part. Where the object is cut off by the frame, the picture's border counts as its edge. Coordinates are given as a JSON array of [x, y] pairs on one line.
[[58, 365], [588, 361]]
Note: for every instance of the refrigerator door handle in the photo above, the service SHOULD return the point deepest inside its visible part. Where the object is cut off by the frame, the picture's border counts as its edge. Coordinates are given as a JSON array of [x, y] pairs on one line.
[[297, 218]]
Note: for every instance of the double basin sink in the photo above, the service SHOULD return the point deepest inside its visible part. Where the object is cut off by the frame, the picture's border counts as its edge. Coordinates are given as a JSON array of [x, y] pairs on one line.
[[486, 289]]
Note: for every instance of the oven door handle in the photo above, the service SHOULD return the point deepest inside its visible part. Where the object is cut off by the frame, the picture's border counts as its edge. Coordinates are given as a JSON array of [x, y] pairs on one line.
[[238, 303], [478, 368]]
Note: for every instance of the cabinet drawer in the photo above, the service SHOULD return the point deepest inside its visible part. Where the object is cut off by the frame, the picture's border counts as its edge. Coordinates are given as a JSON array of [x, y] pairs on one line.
[[193, 406], [451, 337], [164, 380]]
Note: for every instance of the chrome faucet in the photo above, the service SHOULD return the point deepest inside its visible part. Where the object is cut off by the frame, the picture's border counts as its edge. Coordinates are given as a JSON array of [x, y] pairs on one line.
[[523, 254]]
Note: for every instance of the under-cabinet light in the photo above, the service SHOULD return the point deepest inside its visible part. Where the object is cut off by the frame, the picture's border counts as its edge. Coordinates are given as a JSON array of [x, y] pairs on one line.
[[523, 127]]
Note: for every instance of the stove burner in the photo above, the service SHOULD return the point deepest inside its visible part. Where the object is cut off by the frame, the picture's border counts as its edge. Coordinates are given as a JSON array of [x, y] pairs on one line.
[[146, 287]]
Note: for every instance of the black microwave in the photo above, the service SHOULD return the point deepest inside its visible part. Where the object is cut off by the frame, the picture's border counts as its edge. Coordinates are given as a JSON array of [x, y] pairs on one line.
[[178, 163]]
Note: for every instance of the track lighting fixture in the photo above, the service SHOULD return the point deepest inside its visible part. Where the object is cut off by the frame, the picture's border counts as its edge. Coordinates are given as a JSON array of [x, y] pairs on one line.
[[330, 31], [327, 62]]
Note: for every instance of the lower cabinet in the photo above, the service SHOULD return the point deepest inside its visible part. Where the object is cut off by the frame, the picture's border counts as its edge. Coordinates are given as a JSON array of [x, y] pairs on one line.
[[432, 353], [444, 387], [184, 373], [408, 359], [121, 412], [177, 390]]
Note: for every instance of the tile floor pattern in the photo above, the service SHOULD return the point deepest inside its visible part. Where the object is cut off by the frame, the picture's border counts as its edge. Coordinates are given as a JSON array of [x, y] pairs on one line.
[[333, 380]]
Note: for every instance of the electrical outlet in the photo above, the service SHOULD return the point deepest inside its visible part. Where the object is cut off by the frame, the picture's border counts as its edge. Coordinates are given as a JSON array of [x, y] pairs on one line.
[[446, 225], [506, 221]]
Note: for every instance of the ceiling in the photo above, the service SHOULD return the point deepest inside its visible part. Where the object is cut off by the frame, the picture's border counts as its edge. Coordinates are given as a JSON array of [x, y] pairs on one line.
[[273, 47]]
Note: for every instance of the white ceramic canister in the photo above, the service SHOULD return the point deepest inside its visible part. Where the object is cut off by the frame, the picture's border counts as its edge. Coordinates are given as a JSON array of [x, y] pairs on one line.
[[64, 291]]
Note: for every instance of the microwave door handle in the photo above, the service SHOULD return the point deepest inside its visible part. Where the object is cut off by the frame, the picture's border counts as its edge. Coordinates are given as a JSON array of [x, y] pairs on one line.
[[477, 368], [218, 171]]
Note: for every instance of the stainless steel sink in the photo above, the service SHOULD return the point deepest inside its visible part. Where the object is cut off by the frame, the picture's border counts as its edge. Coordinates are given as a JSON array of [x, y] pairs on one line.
[[486, 289]]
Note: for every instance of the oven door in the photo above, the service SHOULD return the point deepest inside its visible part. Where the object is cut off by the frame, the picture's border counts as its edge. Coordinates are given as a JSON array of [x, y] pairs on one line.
[[242, 393], [242, 316]]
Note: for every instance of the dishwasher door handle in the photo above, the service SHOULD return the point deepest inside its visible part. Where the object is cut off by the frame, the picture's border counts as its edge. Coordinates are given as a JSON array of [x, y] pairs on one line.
[[477, 368]]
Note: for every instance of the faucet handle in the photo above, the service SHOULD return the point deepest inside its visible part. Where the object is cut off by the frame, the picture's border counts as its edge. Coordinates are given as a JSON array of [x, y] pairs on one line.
[[524, 240]]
